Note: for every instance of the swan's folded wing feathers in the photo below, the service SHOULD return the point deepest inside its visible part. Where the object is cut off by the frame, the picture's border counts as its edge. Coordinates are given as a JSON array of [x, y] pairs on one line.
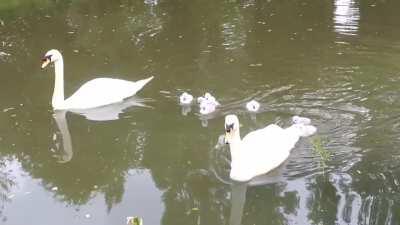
[[101, 91], [264, 135], [268, 148]]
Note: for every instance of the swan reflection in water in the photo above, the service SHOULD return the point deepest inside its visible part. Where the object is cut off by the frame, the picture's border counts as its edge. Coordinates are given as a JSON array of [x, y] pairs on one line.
[[105, 113], [239, 189], [62, 125]]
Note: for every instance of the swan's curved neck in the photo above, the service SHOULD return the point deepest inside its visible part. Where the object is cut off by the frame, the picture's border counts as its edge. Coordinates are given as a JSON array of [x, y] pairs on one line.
[[58, 94], [235, 146]]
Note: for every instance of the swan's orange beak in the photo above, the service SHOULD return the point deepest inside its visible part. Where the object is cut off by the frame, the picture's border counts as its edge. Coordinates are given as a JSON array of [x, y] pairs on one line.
[[226, 138], [45, 62], [228, 135]]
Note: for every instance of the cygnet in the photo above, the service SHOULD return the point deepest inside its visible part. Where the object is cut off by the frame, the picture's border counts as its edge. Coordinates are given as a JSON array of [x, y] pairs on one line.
[[253, 106], [185, 98], [210, 98], [301, 120], [207, 107]]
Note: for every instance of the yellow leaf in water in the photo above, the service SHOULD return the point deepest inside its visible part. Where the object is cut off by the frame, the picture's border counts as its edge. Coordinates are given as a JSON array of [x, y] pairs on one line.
[[134, 220]]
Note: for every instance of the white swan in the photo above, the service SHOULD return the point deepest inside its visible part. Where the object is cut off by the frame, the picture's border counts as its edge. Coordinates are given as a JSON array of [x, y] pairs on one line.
[[262, 150], [92, 94]]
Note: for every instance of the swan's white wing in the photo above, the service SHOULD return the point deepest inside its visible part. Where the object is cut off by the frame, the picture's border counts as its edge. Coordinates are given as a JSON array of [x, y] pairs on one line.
[[271, 139], [103, 91], [267, 148]]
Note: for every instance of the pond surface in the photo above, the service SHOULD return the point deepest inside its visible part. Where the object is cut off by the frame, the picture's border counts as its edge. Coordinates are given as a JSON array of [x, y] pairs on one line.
[[336, 62]]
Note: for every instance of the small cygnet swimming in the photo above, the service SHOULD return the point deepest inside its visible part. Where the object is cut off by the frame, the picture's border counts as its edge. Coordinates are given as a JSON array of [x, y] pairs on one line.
[[208, 103], [185, 98], [208, 98], [301, 120], [207, 107], [253, 106]]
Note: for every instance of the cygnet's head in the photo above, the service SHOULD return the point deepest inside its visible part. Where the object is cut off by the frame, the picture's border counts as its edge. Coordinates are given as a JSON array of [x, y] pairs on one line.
[[200, 99], [185, 98], [231, 128], [209, 97], [51, 56]]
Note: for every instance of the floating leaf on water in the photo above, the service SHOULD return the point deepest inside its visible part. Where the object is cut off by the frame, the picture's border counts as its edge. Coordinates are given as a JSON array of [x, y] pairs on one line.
[[54, 188], [134, 220]]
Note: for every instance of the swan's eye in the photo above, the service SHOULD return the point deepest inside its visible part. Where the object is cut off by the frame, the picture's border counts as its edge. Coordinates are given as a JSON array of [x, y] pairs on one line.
[[46, 58], [228, 128]]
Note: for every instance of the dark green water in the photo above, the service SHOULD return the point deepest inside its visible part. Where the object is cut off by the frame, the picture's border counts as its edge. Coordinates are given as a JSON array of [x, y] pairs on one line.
[[336, 62]]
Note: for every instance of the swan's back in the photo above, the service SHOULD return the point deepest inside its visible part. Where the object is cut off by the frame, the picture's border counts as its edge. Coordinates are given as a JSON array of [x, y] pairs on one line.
[[265, 149], [270, 138], [269, 146], [103, 91]]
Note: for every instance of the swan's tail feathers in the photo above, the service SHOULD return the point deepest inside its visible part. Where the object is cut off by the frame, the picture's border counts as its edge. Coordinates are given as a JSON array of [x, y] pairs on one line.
[[141, 83]]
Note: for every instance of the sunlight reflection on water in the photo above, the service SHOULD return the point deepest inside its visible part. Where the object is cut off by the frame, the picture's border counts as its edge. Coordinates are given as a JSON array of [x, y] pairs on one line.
[[346, 17]]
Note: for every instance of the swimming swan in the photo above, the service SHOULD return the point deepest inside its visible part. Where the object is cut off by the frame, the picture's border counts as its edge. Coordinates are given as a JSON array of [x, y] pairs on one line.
[[262, 150], [94, 93]]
